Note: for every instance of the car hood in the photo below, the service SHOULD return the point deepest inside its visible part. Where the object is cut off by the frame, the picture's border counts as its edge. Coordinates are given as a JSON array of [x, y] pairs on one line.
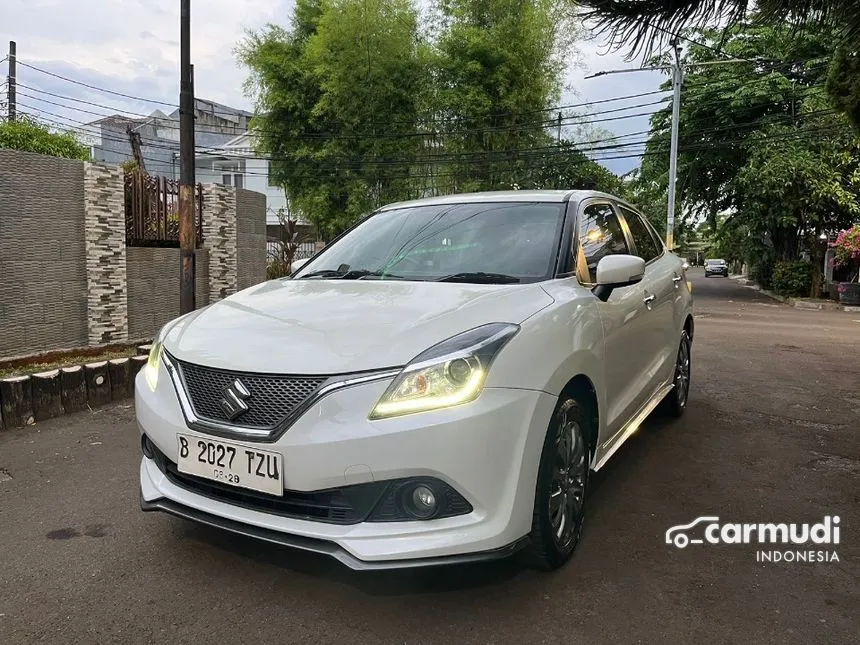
[[335, 327]]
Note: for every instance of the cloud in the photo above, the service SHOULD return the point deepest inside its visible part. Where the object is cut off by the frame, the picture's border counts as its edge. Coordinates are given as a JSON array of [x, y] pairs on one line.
[[132, 47]]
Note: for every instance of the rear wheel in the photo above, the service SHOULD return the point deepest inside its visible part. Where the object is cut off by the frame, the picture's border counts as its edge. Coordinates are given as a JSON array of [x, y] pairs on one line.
[[676, 401], [561, 487]]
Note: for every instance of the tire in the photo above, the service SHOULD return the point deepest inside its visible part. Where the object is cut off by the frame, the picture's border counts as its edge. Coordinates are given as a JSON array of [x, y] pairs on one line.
[[560, 498], [676, 400]]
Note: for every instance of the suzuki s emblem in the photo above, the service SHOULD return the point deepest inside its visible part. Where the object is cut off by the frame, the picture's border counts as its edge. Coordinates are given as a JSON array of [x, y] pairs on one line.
[[233, 402]]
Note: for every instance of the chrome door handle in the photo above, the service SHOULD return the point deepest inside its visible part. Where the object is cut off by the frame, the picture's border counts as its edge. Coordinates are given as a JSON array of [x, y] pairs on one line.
[[649, 299], [677, 278]]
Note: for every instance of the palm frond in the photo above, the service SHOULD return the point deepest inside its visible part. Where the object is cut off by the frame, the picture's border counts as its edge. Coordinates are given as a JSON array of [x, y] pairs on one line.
[[646, 26]]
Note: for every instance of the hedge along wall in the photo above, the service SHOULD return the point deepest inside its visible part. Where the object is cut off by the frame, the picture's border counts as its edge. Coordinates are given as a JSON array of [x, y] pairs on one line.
[[68, 281]]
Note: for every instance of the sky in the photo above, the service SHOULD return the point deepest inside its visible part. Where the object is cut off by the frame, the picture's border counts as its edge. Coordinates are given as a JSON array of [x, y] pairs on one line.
[[132, 47]]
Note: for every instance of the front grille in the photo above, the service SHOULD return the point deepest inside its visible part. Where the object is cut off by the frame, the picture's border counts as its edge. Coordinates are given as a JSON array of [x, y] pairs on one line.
[[273, 397]]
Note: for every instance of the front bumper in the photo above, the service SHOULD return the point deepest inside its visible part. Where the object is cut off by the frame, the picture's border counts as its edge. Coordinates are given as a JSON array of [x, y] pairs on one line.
[[325, 547], [487, 450]]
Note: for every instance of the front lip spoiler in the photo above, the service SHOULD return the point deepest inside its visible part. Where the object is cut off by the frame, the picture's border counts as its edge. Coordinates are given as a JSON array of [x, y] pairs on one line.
[[325, 547]]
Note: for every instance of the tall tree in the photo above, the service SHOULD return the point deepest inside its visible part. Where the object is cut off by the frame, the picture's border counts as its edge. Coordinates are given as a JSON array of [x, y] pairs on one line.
[[646, 25], [760, 143], [499, 66], [358, 104], [338, 98]]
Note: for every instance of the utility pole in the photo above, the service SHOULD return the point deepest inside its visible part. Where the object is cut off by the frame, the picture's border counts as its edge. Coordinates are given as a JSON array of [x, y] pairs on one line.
[[558, 140], [187, 228], [11, 81], [677, 79]]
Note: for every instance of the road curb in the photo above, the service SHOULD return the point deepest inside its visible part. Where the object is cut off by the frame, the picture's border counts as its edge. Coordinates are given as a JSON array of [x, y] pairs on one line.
[[28, 399], [797, 303]]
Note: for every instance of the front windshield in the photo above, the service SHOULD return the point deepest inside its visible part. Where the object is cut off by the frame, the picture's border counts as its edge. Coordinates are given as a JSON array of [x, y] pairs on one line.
[[489, 242]]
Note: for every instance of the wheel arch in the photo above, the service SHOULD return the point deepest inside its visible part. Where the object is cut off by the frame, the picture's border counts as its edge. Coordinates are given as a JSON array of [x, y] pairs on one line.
[[581, 388]]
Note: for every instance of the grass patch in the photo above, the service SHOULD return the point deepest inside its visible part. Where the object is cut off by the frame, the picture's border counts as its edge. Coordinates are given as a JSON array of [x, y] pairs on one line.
[[64, 361]]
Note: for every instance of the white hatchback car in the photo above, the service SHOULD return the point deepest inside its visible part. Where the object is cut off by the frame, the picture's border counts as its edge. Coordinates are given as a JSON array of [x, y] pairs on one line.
[[434, 386]]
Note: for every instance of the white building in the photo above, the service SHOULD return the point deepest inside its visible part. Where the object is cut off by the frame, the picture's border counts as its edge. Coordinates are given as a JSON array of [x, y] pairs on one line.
[[235, 163]]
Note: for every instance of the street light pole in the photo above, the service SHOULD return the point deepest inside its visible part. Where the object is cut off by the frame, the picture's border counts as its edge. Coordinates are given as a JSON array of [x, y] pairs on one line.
[[677, 79], [187, 232]]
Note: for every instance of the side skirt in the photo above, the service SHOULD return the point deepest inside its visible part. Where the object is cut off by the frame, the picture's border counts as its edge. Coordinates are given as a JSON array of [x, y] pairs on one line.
[[634, 423]]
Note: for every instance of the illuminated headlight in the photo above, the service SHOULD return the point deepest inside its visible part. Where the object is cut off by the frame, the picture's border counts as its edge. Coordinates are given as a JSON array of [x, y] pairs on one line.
[[450, 373], [153, 362]]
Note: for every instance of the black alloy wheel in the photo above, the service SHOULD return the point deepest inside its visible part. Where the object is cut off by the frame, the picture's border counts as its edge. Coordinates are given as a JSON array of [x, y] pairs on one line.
[[562, 485]]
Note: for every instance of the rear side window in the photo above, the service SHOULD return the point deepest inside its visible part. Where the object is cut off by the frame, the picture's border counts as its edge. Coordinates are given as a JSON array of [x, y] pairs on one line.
[[600, 234], [646, 247]]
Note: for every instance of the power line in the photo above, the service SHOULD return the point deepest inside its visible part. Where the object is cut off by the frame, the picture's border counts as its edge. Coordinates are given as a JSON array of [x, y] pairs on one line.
[[71, 98], [95, 87], [539, 155], [432, 158], [569, 120], [173, 105]]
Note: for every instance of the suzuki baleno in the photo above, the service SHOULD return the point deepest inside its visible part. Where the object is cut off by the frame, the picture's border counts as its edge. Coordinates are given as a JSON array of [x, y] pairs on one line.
[[436, 385]]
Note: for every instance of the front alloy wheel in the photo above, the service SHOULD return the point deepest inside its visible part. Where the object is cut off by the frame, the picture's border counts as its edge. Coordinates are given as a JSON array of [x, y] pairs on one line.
[[561, 487]]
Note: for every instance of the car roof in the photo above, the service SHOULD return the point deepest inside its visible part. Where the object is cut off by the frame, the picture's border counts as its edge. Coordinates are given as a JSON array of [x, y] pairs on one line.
[[547, 196]]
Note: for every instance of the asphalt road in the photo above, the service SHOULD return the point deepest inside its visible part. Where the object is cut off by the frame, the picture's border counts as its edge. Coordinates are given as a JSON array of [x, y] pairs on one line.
[[771, 435]]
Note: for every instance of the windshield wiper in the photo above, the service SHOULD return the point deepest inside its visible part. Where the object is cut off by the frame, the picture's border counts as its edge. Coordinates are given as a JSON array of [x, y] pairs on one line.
[[480, 277], [352, 274]]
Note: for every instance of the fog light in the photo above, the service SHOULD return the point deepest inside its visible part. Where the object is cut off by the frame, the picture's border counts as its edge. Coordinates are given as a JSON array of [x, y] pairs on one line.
[[422, 502]]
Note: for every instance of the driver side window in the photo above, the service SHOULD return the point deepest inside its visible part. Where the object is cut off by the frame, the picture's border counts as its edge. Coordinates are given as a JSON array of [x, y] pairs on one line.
[[600, 234]]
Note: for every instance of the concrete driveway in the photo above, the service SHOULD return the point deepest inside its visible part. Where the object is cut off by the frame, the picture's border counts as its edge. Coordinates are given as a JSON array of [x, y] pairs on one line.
[[771, 435]]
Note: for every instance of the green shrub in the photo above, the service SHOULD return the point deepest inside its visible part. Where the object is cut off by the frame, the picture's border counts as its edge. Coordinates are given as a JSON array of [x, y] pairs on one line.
[[276, 268], [792, 278], [762, 273]]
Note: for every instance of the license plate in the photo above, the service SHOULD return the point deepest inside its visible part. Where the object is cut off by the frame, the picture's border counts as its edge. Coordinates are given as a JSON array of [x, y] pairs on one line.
[[231, 463]]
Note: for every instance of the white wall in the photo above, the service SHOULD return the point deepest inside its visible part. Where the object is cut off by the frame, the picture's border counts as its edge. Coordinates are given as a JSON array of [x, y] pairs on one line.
[[204, 174], [257, 179]]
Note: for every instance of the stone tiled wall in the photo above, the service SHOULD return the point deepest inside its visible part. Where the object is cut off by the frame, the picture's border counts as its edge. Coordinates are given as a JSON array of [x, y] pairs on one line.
[[104, 226], [250, 238], [219, 234], [153, 288], [67, 279], [43, 284]]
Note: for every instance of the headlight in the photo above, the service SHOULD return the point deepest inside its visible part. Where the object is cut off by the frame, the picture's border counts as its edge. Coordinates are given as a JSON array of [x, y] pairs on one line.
[[150, 370], [447, 374]]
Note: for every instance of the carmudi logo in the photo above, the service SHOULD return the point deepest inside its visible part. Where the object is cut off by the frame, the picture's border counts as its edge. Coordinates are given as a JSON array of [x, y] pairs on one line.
[[709, 530]]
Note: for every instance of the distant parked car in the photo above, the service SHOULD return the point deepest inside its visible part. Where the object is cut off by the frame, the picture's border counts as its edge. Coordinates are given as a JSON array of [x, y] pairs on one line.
[[716, 267], [436, 385]]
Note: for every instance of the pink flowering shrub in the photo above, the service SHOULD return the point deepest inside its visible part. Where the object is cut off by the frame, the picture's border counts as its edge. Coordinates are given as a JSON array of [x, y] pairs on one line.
[[847, 248]]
